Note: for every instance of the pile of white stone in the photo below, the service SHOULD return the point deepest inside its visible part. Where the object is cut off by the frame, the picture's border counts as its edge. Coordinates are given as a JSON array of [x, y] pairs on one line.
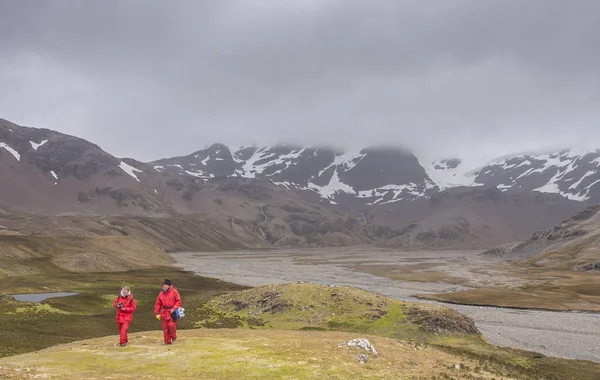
[[365, 345]]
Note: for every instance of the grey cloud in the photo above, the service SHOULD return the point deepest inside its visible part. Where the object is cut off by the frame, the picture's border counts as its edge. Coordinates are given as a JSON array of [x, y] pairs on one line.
[[467, 78]]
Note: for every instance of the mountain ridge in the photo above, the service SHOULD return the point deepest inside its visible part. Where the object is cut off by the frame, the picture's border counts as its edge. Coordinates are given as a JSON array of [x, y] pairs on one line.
[[367, 176], [282, 195]]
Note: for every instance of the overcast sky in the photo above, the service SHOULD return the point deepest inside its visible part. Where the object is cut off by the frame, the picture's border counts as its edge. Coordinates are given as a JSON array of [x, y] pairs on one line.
[[149, 79]]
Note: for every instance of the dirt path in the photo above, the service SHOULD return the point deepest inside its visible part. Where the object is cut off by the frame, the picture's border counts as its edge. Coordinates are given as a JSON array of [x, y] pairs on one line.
[[561, 334]]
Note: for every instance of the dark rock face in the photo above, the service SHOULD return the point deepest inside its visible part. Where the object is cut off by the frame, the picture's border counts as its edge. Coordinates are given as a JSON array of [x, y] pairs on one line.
[[595, 266], [587, 213], [53, 151], [381, 167]]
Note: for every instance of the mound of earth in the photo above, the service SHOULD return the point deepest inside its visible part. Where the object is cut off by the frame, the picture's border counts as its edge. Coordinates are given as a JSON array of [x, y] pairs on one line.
[[320, 307]]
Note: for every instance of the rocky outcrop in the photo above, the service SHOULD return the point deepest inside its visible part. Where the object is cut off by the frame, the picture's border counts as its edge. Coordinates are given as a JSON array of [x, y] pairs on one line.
[[571, 241]]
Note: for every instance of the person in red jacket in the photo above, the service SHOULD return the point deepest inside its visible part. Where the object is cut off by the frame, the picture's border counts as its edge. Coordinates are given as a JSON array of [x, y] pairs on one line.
[[168, 300], [125, 305]]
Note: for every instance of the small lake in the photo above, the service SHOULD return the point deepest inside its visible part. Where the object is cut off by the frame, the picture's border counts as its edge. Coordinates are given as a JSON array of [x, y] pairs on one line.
[[39, 297]]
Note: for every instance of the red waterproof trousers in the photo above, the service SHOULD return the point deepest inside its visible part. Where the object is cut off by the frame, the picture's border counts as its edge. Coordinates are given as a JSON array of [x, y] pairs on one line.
[[169, 327], [123, 328]]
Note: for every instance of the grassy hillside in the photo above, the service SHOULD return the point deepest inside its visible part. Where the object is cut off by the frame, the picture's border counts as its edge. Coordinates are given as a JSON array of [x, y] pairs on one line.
[[296, 331], [342, 308], [30, 326], [245, 354], [33, 254]]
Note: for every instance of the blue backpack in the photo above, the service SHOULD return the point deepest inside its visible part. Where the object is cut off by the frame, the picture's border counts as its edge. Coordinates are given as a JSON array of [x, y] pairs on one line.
[[178, 313]]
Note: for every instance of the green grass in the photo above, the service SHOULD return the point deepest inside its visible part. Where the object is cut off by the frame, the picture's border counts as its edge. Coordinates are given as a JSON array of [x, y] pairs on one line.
[[281, 331], [336, 308], [340, 308], [29, 326], [245, 354]]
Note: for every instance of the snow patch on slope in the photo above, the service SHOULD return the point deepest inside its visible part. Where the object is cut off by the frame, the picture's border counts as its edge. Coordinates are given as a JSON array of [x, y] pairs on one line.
[[11, 151], [396, 190], [129, 170], [35, 146], [249, 169], [446, 176], [576, 184], [284, 159], [234, 151], [561, 164], [197, 174], [334, 186], [55, 176], [346, 161]]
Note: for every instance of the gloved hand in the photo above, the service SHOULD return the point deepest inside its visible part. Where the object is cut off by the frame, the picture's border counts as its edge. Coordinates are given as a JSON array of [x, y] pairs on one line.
[[158, 316]]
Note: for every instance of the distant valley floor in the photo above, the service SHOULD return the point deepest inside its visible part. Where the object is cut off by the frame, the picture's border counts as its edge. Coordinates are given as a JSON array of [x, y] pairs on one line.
[[403, 274]]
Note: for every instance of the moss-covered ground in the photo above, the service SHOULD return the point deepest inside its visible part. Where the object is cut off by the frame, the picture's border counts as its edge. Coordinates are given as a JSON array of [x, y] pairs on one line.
[[230, 331], [30, 326]]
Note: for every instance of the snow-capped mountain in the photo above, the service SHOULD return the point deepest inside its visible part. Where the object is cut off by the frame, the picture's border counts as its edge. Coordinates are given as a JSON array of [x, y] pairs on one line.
[[573, 174], [450, 172], [44, 164], [268, 194], [371, 176], [376, 176]]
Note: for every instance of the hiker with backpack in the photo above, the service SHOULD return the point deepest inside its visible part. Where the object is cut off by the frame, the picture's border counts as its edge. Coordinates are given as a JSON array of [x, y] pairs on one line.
[[125, 305], [166, 310]]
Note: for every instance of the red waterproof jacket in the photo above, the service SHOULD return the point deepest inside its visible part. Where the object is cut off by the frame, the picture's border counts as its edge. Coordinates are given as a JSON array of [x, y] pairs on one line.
[[166, 302], [129, 306]]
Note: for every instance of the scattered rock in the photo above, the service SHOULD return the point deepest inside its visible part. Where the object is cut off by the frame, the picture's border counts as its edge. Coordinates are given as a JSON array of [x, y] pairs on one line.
[[441, 321], [375, 314], [589, 267], [239, 305], [362, 343], [363, 358]]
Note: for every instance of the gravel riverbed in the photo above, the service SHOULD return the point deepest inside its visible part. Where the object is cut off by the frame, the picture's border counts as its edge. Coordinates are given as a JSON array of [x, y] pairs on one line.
[[561, 334]]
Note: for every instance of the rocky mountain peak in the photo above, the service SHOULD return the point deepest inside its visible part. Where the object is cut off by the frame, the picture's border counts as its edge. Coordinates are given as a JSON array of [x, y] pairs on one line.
[[54, 153], [370, 175], [571, 173]]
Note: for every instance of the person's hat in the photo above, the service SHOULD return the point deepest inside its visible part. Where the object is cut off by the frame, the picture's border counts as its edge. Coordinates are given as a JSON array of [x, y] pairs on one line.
[[167, 282]]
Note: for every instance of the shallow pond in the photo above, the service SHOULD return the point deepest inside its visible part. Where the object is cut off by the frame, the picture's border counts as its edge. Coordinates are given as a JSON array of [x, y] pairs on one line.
[[39, 297]]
